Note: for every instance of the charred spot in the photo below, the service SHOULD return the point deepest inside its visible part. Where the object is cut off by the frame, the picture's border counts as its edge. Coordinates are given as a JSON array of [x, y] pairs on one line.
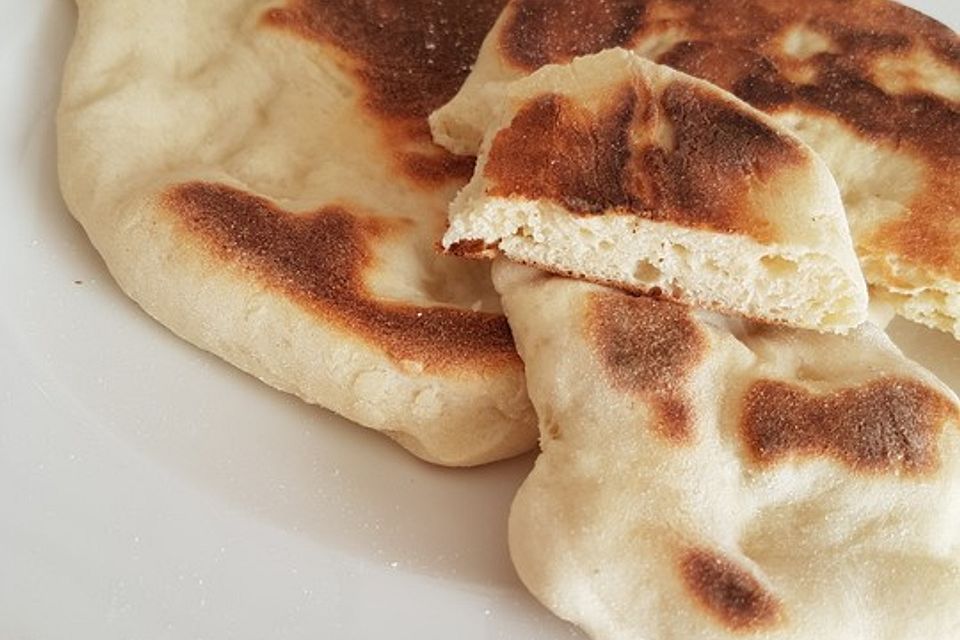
[[889, 425], [720, 151], [412, 55], [439, 166], [728, 591], [540, 32], [319, 259], [747, 73], [471, 247], [649, 348], [409, 56], [843, 90], [555, 149], [599, 160], [852, 37]]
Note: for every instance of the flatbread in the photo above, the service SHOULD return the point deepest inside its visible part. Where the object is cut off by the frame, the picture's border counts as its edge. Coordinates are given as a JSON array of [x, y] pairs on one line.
[[708, 479], [259, 177], [872, 86], [623, 171]]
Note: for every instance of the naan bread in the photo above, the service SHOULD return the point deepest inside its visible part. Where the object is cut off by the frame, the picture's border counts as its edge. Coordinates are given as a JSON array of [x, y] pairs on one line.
[[259, 177], [627, 172], [872, 86], [704, 479]]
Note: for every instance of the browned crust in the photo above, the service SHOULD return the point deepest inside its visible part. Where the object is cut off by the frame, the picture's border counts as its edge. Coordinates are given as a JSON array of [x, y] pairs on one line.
[[737, 44], [607, 158], [889, 425], [649, 348], [728, 592], [409, 58], [438, 167], [319, 260], [539, 32], [472, 248]]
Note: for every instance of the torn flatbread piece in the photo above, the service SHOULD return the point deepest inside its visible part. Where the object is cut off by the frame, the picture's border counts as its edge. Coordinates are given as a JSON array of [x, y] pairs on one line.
[[630, 173], [703, 478]]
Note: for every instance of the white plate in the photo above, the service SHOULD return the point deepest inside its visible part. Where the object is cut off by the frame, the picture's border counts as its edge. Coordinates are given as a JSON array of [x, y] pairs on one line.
[[147, 490]]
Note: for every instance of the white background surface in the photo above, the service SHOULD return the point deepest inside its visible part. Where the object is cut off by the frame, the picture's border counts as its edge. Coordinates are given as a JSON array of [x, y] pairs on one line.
[[148, 490]]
